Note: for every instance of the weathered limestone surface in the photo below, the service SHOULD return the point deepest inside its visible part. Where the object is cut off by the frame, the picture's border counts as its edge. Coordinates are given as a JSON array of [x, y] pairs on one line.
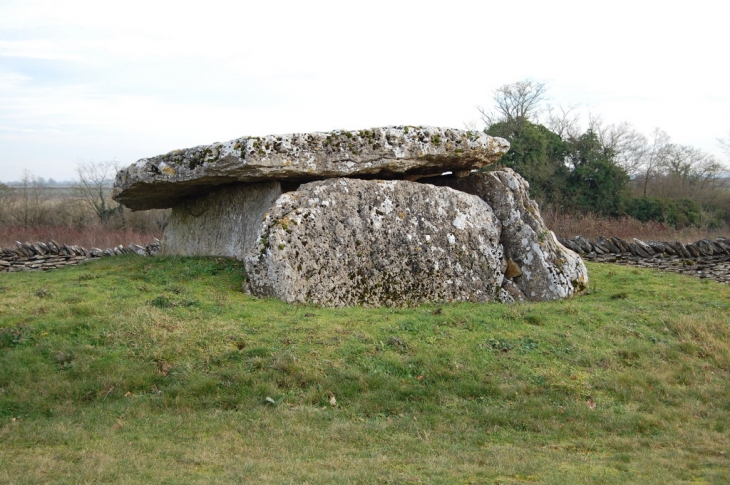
[[371, 242], [225, 222], [542, 268], [337, 218], [384, 153]]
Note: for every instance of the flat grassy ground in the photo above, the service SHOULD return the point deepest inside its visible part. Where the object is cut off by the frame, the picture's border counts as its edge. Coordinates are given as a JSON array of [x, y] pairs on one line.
[[159, 370]]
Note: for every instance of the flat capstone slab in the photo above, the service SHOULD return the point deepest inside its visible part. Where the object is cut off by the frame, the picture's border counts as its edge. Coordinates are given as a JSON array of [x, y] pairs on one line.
[[393, 152]]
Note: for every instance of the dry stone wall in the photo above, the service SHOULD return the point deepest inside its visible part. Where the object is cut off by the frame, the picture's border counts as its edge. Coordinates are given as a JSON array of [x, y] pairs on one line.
[[705, 258], [40, 256]]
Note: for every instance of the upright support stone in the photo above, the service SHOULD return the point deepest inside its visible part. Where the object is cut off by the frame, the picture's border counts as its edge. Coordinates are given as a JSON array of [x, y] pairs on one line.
[[549, 270], [345, 242], [226, 222]]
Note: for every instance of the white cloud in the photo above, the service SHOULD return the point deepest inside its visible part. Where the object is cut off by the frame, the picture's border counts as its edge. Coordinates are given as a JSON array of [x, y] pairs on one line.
[[12, 80]]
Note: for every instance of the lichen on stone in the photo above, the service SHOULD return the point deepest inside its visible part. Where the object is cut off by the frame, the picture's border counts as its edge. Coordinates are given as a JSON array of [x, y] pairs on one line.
[[387, 152], [374, 243]]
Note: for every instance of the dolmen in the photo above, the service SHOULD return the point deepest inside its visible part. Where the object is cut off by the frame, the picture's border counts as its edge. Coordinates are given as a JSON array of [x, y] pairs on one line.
[[395, 216]]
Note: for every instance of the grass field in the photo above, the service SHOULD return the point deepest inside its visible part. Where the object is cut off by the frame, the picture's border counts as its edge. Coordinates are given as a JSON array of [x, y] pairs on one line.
[[159, 370]]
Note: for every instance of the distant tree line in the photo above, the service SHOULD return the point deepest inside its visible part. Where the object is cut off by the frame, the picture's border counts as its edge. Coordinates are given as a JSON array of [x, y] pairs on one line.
[[610, 170], [35, 202]]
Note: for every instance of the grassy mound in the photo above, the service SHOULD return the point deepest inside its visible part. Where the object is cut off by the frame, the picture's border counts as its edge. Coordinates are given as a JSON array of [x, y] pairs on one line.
[[159, 370]]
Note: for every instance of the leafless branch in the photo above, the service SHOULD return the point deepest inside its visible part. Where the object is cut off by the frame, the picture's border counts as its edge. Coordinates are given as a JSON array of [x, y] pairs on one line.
[[92, 185]]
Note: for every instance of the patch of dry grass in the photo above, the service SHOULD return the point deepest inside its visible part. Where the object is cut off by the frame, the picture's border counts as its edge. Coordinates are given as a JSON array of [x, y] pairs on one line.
[[592, 226], [92, 236]]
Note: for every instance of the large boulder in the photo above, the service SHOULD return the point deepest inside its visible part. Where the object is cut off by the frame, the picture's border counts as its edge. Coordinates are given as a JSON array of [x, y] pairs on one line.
[[371, 242], [384, 153], [225, 222], [542, 268]]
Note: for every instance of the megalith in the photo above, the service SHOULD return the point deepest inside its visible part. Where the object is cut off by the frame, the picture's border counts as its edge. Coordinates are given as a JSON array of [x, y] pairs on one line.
[[394, 216], [541, 267], [225, 222], [343, 242]]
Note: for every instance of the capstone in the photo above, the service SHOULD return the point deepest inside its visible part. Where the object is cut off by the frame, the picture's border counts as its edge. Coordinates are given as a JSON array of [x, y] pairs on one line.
[[394, 152]]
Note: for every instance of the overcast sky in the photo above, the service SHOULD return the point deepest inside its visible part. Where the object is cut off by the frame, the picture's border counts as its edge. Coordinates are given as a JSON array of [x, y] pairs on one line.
[[98, 80]]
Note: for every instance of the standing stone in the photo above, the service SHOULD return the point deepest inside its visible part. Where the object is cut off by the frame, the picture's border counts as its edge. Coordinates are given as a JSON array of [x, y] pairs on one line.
[[225, 222], [549, 270], [371, 242]]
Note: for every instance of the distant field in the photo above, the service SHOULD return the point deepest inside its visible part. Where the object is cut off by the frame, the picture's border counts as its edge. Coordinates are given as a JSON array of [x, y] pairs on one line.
[[58, 212], [60, 191], [159, 370]]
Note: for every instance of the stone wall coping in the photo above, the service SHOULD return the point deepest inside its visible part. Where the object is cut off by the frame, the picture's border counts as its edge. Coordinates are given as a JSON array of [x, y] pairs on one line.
[[42, 256], [705, 258]]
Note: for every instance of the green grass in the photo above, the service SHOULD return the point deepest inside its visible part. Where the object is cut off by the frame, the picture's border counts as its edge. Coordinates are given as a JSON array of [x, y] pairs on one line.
[[158, 370]]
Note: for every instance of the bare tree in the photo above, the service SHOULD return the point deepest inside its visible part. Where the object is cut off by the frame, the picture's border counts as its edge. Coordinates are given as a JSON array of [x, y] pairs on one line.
[[563, 121], [725, 144], [683, 171], [692, 166], [471, 125], [514, 102], [5, 195], [654, 159], [27, 205], [629, 147], [92, 187]]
